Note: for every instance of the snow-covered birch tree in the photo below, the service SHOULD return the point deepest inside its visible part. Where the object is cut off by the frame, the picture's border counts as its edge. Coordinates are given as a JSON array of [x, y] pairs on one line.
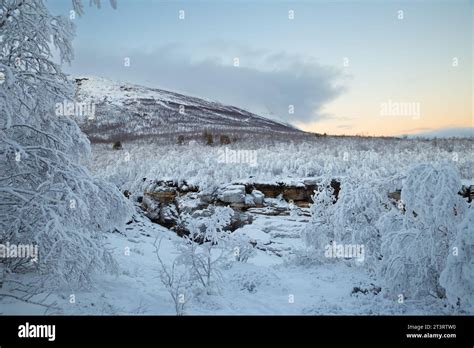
[[203, 250], [47, 197], [458, 276], [416, 241]]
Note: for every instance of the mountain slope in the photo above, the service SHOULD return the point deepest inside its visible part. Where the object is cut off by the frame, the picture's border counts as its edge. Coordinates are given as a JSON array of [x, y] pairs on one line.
[[128, 111]]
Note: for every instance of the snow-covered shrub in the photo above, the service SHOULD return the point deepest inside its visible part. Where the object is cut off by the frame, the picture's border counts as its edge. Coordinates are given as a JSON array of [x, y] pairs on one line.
[[359, 206], [349, 221], [319, 231], [458, 276], [47, 197], [176, 280], [203, 250], [241, 247], [416, 240]]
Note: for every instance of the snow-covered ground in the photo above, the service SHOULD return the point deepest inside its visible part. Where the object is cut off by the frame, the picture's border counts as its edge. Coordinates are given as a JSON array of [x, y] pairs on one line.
[[277, 279], [101, 254], [363, 159], [266, 284]]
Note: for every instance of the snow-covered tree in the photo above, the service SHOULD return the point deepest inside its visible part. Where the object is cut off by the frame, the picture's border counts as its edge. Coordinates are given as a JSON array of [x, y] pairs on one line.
[[47, 196], [349, 220], [417, 239], [204, 249], [242, 247], [359, 206], [319, 231], [176, 280], [458, 276]]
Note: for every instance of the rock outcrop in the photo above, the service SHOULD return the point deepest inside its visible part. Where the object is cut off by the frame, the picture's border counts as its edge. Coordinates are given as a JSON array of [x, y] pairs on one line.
[[166, 202], [232, 194]]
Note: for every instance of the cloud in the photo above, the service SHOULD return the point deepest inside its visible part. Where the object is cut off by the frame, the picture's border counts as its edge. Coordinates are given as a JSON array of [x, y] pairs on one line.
[[266, 83]]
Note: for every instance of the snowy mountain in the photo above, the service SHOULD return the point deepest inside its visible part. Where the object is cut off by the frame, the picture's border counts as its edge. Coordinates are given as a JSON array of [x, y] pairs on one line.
[[127, 111]]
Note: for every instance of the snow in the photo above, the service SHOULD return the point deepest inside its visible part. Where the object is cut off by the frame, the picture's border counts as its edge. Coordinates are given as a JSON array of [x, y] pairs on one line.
[[263, 285], [281, 267], [290, 164], [100, 254], [125, 110]]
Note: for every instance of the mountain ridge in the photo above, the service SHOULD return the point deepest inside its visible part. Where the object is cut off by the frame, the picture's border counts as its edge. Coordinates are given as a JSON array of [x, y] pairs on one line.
[[127, 111]]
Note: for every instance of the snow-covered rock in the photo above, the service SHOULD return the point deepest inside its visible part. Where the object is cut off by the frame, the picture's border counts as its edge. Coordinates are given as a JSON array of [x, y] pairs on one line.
[[258, 197], [249, 201], [233, 194]]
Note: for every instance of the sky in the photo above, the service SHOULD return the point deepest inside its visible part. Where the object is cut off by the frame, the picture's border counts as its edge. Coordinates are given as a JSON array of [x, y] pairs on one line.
[[338, 67]]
